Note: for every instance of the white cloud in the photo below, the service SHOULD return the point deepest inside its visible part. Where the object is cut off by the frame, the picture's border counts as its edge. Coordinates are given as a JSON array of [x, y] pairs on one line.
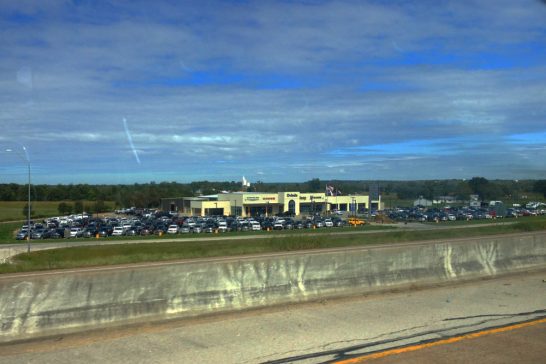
[[271, 83]]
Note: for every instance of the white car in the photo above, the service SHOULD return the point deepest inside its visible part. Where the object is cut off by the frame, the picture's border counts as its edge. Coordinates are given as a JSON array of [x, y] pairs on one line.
[[278, 225], [222, 226], [173, 229], [74, 232], [118, 231]]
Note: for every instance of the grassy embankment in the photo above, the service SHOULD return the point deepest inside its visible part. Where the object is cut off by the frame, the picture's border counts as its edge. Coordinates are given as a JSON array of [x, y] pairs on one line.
[[133, 253]]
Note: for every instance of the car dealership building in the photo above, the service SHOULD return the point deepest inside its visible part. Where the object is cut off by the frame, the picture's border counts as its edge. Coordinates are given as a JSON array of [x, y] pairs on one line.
[[247, 204]]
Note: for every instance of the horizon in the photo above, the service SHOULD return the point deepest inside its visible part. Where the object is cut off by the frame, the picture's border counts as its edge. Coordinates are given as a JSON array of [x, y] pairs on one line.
[[327, 182], [105, 93]]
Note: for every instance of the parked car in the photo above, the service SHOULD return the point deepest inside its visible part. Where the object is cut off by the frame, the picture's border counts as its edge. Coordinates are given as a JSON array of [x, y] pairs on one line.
[[132, 231], [184, 229], [22, 235], [57, 233], [105, 231], [222, 226], [76, 232], [117, 231], [146, 230], [37, 233], [173, 229], [208, 229], [309, 224], [355, 221], [90, 232], [278, 225]]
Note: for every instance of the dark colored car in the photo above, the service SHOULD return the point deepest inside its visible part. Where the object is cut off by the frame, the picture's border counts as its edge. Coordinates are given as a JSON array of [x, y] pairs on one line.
[[267, 225], [56, 233], [146, 230], [90, 232], [298, 225], [133, 231], [106, 231], [37, 233]]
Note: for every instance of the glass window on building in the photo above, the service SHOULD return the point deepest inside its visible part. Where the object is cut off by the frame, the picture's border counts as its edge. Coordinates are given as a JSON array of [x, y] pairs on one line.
[[292, 207]]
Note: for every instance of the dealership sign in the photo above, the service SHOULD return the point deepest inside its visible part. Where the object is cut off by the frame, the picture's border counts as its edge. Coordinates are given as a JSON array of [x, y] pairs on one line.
[[312, 197], [262, 199]]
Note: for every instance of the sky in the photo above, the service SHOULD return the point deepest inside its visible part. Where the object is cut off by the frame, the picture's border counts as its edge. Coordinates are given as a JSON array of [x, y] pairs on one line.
[[122, 92]]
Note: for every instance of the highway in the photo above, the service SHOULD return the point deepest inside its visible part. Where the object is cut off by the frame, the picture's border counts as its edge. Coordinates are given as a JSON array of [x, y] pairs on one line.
[[329, 331]]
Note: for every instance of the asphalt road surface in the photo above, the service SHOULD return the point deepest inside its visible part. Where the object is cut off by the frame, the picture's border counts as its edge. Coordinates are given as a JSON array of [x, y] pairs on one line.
[[331, 331]]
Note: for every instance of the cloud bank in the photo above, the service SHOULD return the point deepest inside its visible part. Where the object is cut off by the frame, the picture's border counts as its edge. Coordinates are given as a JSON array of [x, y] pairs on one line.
[[276, 91]]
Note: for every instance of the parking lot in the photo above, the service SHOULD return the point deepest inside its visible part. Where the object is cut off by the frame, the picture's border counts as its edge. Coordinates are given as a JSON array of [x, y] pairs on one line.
[[465, 213], [143, 222]]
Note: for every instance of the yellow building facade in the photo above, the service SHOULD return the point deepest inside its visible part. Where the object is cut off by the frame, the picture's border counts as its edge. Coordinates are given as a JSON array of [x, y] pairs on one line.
[[247, 204]]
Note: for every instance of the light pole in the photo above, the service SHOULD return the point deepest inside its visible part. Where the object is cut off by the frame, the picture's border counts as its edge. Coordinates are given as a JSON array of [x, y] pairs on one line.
[[27, 159]]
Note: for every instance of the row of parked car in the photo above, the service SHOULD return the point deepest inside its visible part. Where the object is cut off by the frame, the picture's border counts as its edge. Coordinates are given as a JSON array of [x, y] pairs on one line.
[[458, 213], [161, 223], [225, 224]]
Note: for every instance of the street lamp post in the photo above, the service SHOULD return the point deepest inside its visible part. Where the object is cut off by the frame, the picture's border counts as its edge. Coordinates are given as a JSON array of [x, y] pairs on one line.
[[27, 159]]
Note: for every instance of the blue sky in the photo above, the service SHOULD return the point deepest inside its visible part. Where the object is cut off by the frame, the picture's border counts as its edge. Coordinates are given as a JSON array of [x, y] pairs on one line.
[[139, 91]]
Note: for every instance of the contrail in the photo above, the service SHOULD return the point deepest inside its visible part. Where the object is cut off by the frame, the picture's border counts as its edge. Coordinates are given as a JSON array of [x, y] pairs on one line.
[[130, 139]]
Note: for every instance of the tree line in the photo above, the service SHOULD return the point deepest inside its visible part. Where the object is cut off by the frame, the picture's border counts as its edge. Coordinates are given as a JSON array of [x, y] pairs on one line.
[[149, 194]]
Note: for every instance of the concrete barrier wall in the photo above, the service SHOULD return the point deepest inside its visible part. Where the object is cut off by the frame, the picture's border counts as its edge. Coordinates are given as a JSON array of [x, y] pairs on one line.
[[34, 305]]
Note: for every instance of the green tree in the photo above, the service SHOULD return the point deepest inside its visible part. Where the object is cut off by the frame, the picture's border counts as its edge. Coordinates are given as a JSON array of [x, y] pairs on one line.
[[64, 208], [314, 185], [485, 189], [25, 210], [100, 206], [540, 187], [462, 191], [78, 207]]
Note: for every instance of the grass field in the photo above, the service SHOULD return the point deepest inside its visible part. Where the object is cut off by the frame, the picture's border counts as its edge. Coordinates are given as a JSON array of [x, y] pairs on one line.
[[13, 210], [132, 253], [8, 231]]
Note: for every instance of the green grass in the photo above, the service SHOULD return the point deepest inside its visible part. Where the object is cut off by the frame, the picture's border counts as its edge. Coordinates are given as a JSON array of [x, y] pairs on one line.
[[133, 253], [13, 210], [8, 231]]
